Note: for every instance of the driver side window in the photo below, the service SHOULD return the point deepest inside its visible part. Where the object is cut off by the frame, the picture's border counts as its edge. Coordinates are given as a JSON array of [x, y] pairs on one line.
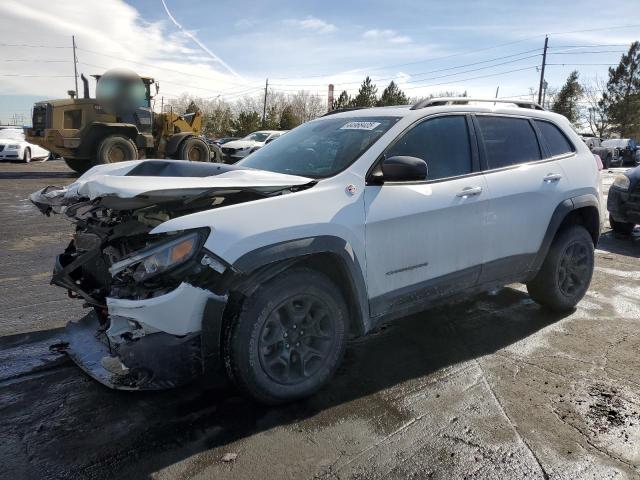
[[442, 142]]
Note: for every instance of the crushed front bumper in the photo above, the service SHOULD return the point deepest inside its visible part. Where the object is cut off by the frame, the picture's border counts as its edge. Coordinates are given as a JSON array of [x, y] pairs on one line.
[[151, 344], [154, 362]]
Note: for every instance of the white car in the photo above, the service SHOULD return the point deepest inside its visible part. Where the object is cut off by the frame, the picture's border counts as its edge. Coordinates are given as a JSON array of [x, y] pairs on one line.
[[260, 271], [14, 147], [238, 149]]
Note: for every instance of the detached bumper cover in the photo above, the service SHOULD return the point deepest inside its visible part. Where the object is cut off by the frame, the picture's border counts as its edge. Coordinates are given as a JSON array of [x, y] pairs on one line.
[[154, 362]]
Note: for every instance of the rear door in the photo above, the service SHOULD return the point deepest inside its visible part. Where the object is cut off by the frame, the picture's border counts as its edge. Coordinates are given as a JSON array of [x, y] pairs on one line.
[[525, 185], [422, 237]]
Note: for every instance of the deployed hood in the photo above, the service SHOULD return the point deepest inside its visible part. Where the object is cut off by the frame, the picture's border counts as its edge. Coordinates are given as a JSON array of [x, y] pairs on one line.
[[138, 183]]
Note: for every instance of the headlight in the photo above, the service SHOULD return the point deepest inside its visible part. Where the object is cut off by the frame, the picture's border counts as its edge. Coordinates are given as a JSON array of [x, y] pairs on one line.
[[621, 182], [13, 147], [160, 258]]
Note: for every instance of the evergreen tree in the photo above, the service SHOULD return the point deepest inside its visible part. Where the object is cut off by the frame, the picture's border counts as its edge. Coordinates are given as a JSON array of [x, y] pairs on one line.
[[192, 107], [343, 101], [246, 122], [367, 95], [566, 101], [288, 119], [272, 121], [392, 95], [621, 100]]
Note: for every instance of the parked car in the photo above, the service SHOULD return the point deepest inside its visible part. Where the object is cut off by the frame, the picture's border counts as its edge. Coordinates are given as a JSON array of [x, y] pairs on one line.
[[260, 271], [623, 201], [627, 150], [223, 140], [609, 154], [238, 149], [14, 147], [269, 140]]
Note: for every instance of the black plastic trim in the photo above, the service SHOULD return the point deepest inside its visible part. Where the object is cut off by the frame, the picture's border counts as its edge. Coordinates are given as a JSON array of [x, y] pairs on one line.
[[268, 261]]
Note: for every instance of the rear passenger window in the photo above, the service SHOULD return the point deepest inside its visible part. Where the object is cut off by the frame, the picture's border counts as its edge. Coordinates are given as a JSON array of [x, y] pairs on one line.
[[508, 141], [442, 142], [556, 142]]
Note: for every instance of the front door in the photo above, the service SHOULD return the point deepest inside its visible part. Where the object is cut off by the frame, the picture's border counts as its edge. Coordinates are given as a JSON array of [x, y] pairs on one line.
[[422, 237]]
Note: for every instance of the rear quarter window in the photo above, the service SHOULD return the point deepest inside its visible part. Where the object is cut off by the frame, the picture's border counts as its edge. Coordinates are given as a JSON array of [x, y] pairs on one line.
[[556, 141]]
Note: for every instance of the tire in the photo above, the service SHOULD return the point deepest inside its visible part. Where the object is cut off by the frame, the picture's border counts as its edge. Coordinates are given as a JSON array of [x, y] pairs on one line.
[[195, 150], [116, 148], [623, 228], [78, 165], [607, 161], [26, 156], [566, 272], [266, 345]]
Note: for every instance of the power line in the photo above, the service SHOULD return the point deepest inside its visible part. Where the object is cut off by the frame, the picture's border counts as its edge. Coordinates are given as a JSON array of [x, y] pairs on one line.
[[24, 45], [150, 65], [429, 72], [29, 75]]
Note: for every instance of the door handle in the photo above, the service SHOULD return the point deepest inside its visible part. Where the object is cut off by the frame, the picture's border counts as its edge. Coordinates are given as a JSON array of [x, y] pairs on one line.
[[469, 192], [552, 177]]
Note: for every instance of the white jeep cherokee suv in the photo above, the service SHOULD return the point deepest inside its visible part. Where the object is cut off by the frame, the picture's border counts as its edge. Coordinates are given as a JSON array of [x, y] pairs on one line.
[[260, 271]]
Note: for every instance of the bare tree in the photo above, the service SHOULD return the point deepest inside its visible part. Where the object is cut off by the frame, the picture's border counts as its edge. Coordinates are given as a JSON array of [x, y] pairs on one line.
[[594, 115]]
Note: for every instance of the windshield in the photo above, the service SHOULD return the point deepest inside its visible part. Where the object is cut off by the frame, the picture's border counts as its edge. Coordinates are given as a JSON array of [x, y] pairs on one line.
[[257, 136], [12, 133], [614, 142], [321, 148]]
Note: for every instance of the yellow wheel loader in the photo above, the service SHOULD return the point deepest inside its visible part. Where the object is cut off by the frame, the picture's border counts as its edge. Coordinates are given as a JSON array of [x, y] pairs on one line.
[[118, 125]]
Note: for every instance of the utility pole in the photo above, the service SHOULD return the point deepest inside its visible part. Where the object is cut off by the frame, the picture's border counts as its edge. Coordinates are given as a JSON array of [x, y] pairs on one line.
[[264, 106], [544, 63], [75, 63]]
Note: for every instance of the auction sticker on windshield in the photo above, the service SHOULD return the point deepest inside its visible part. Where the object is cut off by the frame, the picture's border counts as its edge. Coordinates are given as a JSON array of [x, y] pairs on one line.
[[360, 126]]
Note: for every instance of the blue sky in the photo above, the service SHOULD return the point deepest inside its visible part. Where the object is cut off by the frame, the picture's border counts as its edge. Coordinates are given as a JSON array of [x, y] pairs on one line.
[[226, 49]]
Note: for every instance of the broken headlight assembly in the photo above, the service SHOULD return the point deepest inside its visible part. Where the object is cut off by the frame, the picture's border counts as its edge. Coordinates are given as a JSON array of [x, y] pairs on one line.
[[159, 258]]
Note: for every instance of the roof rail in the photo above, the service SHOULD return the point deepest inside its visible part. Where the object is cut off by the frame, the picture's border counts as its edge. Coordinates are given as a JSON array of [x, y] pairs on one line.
[[436, 102]]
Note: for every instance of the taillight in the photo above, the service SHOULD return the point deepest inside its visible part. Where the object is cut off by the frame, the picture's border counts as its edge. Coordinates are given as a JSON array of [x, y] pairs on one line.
[[598, 161]]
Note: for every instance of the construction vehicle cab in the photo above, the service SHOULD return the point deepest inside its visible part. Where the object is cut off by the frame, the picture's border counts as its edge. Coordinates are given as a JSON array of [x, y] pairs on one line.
[[118, 125]]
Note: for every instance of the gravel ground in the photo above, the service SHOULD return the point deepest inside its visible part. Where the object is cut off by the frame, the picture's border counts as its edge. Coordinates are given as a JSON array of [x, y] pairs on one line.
[[492, 388]]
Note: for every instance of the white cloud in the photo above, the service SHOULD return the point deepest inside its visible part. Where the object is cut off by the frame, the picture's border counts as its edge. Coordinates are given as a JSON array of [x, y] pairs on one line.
[[386, 35], [312, 23], [109, 33]]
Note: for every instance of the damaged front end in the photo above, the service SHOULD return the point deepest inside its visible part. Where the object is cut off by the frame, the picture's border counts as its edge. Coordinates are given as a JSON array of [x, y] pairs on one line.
[[148, 292]]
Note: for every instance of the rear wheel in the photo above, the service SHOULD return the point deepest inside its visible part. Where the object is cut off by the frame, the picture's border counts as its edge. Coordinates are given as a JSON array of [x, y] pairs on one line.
[[116, 148], [289, 337], [26, 156], [623, 228], [195, 150], [566, 272]]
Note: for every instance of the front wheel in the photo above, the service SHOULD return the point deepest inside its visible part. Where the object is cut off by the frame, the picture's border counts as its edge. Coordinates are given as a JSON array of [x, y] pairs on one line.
[[289, 337], [607, 161], [566, 271], [195, 150], [623, 228], [116, 148], [26, 156]]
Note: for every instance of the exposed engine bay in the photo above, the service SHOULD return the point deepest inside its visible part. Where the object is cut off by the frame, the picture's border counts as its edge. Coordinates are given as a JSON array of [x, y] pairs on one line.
[[145, 289]]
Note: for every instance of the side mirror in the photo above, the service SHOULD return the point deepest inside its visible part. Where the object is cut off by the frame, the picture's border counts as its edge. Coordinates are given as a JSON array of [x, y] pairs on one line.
[[402, 169]]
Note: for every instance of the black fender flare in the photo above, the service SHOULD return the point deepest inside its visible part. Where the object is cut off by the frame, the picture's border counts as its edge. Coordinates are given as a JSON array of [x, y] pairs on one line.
[[264, 263], [559, 214], [174, 142]]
